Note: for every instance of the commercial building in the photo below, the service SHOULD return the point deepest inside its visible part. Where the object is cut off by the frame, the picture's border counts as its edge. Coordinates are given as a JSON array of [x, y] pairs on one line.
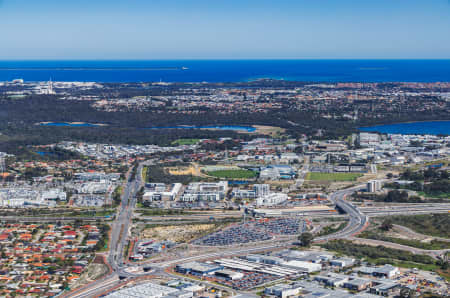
[[332, 279], [367, 139], [229, 274], [271, 199], [275, 172], [342, 262], [197, 268], [373, 186], [160, 192], [202, 191], [258, 190]]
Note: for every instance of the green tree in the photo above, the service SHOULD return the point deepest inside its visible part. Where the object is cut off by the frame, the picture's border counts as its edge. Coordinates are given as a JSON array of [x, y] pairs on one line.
[[305, 239], [386, 225]]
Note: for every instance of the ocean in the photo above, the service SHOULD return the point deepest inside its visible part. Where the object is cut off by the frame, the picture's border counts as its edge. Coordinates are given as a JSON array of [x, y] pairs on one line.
[[228, 70]]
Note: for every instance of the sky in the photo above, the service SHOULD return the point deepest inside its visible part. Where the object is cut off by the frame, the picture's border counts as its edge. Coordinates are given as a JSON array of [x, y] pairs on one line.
[[224, 29]]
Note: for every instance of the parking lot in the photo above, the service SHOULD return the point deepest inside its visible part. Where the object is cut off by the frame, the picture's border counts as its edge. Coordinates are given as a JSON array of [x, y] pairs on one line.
[[253, 231]]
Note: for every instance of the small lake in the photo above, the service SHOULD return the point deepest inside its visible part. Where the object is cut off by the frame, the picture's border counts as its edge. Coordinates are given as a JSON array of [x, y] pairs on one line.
[[70, 124], [218, 127], [422, 128]]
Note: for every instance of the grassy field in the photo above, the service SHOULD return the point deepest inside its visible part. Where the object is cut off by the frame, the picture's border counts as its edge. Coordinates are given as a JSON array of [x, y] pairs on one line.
[[428, 224], [432, 195], [233, 174], [404, 264], [380, 254], [432, 245], [331, 229], [185, 142], [333, 176], [144, 174]]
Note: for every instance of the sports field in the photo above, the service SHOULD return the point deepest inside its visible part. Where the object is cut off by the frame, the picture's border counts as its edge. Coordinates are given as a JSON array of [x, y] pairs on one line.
[[333, 176], [233, 174], [185, 142]]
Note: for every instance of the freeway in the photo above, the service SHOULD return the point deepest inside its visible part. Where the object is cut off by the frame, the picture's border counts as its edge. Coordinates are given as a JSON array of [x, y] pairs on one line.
[[357, 220]]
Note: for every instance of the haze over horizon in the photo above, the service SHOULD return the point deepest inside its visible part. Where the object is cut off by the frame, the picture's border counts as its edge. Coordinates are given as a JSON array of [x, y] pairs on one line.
[[200, 29]]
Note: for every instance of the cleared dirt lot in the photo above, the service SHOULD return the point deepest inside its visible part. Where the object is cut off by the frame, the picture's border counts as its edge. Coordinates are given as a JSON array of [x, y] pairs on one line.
[[177, 233]]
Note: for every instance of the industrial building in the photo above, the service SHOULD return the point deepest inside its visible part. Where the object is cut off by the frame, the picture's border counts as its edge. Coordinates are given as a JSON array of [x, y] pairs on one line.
[[150, 290], [387, 271], [303, 266], [197, 268]]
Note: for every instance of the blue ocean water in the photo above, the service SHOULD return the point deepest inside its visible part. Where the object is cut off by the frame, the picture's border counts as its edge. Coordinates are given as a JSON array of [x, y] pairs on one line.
[[426, 127], [229, 70]]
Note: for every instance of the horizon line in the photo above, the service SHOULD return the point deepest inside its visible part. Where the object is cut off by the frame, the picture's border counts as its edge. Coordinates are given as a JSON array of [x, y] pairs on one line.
[[220, 59]]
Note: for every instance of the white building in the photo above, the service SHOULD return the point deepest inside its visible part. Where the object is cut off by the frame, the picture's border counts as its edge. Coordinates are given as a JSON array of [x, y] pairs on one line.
[[261, 190], [283, 290], [272, 199], [150, 290], [303, 266], [54, 194], [373, 186], [367, 139], [202, 191], [161, 194]]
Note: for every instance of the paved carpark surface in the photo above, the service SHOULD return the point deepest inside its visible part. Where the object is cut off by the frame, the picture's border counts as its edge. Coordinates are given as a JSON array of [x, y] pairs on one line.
[[253, 231]]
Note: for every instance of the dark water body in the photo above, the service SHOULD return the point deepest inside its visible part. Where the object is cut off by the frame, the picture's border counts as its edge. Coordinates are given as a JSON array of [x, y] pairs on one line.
[[43, 153], [219, 127], [228, 70], [69, 124], [428, 127]]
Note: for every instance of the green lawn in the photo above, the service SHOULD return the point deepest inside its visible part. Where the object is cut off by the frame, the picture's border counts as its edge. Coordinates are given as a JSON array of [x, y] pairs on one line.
[[185, 142], [434, 195], [233, 174], [333, 176]]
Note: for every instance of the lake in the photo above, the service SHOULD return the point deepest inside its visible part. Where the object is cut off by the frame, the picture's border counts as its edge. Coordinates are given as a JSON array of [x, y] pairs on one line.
[[218, 127], [425, 127], [70, 124]]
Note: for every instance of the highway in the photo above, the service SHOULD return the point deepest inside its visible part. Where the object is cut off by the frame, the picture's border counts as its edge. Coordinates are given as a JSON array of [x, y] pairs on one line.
[[357, 220]]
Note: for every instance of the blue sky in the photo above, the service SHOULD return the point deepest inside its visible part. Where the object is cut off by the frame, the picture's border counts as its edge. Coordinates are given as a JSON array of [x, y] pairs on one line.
[[210, 29]]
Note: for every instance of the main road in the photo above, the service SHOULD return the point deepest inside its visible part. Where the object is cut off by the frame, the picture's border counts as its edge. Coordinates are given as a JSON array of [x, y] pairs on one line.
[[119, 236]]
